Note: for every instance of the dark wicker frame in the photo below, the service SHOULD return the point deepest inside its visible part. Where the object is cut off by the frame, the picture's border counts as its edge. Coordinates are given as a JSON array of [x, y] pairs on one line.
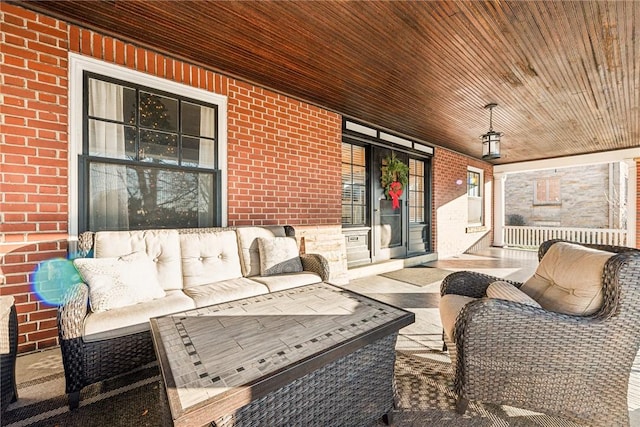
[[570, 366], [9, 390], [89, 362]]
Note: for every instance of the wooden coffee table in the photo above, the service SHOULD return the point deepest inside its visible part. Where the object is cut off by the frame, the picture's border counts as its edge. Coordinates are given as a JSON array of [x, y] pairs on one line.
[[313, 355]]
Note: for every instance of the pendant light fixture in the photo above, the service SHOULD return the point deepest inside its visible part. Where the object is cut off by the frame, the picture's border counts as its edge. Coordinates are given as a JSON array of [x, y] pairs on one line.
[[491, 139]]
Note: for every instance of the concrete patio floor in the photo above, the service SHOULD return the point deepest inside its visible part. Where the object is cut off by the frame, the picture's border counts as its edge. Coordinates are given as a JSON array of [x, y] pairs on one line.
[[423, 335]]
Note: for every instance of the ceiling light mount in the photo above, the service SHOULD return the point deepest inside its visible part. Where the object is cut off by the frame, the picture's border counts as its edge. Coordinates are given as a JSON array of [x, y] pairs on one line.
[[491, 139]]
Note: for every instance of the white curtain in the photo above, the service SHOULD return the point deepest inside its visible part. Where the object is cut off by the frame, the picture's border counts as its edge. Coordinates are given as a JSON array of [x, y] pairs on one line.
[[109, 207], [207, 159]]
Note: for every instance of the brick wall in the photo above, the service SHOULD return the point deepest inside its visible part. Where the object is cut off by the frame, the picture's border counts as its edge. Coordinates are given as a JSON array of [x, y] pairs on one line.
[[284, 155], [450, 212], [284, 159], [34, 161]]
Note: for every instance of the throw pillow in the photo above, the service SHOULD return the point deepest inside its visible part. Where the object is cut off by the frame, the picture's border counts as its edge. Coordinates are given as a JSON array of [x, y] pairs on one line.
[[506, 291], [279, 255], [119, 282], [569, 279]]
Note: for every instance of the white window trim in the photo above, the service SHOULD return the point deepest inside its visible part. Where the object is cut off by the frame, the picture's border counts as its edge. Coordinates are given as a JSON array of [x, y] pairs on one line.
[[78, 64], [481, 197]]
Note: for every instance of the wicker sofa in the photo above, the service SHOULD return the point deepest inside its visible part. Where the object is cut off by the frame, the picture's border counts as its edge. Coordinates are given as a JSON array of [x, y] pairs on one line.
[[195, 268], [509, 350]]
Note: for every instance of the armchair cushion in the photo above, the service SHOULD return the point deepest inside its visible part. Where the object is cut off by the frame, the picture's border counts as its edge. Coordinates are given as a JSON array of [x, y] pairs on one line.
[[506, 291], [119, 282], [279, 255], [450, 306], [568, 279]]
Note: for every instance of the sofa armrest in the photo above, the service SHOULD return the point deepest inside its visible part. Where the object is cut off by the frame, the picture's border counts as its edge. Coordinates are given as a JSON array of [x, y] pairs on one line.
[[72, 311], [470, 283], [316, 263]]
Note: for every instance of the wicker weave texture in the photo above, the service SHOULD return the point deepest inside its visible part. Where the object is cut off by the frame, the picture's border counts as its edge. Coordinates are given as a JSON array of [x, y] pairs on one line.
[[86, 363], [8, 389], [570, 366], [355, 390]]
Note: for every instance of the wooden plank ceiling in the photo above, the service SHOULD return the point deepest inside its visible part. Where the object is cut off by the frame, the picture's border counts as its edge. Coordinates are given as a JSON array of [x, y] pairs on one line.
[[565, 74]]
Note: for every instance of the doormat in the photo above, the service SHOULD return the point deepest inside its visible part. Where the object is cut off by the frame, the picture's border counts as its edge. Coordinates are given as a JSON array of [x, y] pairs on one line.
[[418, 276]]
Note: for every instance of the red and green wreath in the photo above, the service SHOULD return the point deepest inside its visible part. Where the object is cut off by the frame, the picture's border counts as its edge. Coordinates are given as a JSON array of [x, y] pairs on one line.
[[395, 175]]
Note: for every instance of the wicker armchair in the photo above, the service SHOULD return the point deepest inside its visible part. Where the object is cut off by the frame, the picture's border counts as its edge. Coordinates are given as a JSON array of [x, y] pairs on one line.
[[8, 351], [570, 366]]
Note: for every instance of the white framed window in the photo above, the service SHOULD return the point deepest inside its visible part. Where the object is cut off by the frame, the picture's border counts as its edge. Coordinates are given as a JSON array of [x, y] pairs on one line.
[[475, 196], [144, 152]]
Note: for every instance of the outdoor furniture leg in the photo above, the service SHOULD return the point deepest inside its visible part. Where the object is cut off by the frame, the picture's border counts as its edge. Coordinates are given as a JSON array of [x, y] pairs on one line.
[[461, 405], [74, 400]]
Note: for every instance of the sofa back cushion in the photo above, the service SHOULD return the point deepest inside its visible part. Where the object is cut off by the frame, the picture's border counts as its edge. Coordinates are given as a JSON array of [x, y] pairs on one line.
[[569, 279], [249, 249], [162, 246], [209, 257]]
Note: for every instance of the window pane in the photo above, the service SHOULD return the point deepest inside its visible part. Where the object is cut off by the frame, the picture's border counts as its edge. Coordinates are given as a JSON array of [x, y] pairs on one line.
[[111, 140], [158, 112], [473, 184], [346, 153], [358, 215], [111, 101], [198, 120], [198, 152], [346, 174], [359, 196], [346, 194], [162, 147], [346, 214], [138, 197], [554, 190], [359, 175], [359, 156]]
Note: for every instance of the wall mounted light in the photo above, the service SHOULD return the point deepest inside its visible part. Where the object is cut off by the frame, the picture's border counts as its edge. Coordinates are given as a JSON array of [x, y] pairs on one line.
[[491, 139]]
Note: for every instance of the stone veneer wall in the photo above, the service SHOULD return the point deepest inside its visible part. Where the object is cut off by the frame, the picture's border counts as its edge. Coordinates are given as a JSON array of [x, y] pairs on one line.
[[585, 194]]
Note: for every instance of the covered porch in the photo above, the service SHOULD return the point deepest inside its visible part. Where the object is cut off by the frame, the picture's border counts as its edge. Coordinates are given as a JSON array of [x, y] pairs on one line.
[[421, 361]]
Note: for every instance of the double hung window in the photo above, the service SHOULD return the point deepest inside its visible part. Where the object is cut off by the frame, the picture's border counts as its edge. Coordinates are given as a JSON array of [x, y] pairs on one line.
[[149, 158]]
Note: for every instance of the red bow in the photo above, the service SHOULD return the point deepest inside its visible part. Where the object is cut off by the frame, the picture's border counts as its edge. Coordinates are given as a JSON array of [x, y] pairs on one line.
[[395, 191]]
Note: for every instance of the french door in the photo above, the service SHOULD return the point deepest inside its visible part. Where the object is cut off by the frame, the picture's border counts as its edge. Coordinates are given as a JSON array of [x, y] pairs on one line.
[[390, 225]]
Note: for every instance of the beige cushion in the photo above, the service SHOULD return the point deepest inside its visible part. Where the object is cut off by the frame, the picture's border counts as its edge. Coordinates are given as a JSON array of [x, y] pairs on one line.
[[279, 255], [119, 282], [248, 243], [209, 257], [450, 306], [287, 281], [227, 290], [162, 246], [130, 320], [569, 279], [506, 291]]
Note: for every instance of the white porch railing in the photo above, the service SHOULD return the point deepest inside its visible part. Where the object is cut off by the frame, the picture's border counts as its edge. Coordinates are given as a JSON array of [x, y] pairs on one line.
[[531, 237]]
